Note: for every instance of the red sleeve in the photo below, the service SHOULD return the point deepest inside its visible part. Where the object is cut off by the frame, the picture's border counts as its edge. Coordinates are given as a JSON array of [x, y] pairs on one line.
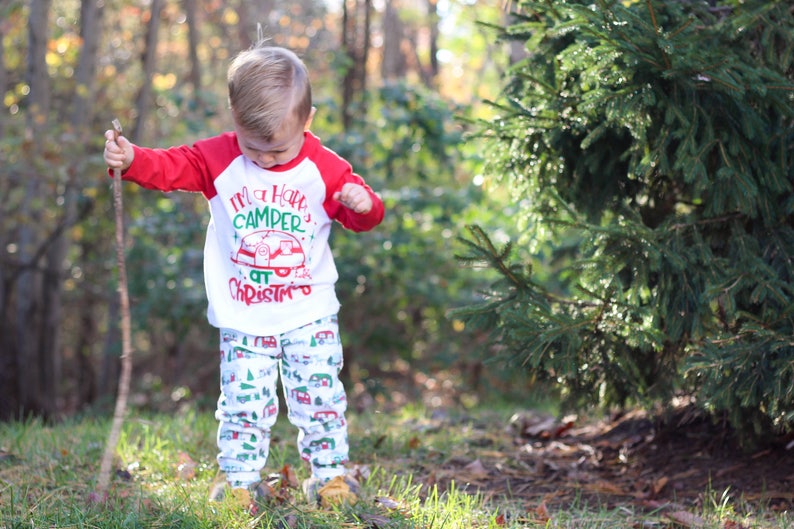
[[183, 168], [336, 172]]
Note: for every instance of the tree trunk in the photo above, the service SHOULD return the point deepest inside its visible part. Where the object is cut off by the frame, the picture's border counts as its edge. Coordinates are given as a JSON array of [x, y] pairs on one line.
[[37, 77], [355, 44], [90, 28], [3, 84], [32, 397], [6, 352], [149, 61], [432, 19], [394, 64], [52, 293], [194, 76], [247, 27]]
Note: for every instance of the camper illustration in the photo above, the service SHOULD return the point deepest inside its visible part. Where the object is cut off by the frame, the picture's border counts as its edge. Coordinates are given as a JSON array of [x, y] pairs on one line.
[[233, 435], [267, 342], [239, 352], [228, 377], [303, 359], [325, 415], [271, 250], [301, 395], [321, 380], [335, 462], [323, 337], [271, 408], [326, 443]]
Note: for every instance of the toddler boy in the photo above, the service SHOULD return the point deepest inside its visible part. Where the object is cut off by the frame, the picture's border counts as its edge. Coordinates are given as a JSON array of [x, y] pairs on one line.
[[274, 191]]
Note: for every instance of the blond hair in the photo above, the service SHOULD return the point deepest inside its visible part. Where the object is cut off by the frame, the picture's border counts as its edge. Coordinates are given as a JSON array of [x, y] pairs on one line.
[[267, 86]]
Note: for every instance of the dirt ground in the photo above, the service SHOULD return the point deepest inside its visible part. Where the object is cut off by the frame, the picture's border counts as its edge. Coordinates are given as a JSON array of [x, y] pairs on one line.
[[633, 460], [630, 459]]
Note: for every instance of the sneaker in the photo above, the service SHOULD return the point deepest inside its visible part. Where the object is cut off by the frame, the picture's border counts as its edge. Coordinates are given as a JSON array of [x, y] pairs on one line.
[[341, 489]]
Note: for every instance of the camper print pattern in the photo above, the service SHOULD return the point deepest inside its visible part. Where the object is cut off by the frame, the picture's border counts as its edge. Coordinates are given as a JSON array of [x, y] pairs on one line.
[[308, 361], [272, 254]]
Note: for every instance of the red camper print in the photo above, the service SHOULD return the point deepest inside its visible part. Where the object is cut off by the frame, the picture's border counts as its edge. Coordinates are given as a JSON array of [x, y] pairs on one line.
[[325, 337], [271, 250], [270, 408], [267, 342], [325, 415], [301, 395]]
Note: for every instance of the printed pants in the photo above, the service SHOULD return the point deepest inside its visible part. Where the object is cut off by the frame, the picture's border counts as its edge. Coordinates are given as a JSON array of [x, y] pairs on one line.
[[308, 360]]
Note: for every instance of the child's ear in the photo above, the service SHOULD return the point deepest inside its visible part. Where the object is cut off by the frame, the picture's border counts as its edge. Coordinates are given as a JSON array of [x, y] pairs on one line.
[[308, 124]]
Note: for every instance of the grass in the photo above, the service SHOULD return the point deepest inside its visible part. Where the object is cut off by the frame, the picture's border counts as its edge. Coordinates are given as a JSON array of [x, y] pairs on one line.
[[167, 462]]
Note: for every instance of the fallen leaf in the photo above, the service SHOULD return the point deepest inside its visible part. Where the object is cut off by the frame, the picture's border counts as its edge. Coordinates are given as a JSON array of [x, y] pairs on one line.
[[534, 424], [607, 487], [387, 502], [376, 521], [393, 506], [335, 492], [360, 473], [658, 485], [563, 428], [475, 470], [687, 519], [288, 477], [728, 470], [266, 492], [541, 514], [186, 467]]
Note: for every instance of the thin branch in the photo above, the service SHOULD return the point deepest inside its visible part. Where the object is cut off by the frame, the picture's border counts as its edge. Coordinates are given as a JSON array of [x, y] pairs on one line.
[[103, 480]]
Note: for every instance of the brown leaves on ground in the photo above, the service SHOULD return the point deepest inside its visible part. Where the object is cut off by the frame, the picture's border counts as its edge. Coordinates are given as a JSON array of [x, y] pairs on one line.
[[185, 467], [628, 460]]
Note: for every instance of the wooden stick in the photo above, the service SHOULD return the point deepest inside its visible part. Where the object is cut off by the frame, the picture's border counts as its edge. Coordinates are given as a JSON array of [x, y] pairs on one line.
[[103, 481]]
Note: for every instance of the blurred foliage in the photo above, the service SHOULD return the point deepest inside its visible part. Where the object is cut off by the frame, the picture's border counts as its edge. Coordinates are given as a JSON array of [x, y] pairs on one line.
[[396, 282], [650, 143]]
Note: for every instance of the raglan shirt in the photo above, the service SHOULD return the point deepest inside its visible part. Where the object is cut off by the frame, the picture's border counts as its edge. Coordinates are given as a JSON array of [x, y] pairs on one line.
[[268, 267]]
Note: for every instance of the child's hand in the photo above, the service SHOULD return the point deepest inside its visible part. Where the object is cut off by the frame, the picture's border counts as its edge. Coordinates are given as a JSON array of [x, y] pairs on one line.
[[355, 197], [118, 152]]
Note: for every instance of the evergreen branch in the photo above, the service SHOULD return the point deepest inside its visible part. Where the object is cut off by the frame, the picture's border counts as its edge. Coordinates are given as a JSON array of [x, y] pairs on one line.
[[681, 28], [493, 255], [704, 222], [658, 32]]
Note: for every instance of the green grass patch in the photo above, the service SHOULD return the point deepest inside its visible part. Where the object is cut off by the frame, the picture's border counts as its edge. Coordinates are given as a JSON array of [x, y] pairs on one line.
[[165, 464]]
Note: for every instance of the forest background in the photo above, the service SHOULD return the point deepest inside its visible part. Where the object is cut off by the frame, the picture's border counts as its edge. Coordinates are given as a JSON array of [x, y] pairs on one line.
[[392, 81], [639, 152]]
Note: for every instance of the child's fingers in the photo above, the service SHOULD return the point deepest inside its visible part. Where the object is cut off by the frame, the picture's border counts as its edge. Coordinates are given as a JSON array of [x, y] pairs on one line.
[[114, 154], [354, 197]]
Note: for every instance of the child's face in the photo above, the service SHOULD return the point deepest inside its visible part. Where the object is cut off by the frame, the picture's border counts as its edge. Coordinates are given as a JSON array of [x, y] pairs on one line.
[[282, 148]]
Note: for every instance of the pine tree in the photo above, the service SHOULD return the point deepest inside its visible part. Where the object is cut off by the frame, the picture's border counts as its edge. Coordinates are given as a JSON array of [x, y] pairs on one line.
[[650, 146]]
